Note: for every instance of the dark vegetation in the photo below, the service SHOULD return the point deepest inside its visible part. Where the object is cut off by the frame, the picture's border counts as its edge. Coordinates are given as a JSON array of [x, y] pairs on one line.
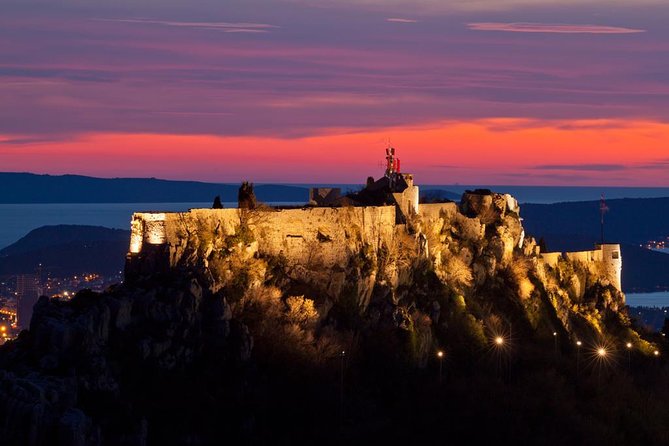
[[289, 391]]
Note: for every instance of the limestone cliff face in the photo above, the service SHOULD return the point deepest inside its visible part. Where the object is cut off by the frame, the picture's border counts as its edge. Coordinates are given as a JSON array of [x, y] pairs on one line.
[[359, 260]]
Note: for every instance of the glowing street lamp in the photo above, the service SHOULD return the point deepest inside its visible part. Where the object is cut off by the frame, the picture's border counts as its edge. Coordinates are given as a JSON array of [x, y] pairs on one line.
[[440, 355], [499, 340], [601, 355], [555, 337], [629, 356], [578, 356]]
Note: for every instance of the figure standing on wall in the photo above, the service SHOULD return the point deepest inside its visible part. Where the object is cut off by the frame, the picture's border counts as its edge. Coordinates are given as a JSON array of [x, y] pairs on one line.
[[217, 203]]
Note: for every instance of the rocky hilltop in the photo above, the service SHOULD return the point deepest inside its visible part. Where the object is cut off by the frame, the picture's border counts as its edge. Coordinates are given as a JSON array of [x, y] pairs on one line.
[[232, 324]]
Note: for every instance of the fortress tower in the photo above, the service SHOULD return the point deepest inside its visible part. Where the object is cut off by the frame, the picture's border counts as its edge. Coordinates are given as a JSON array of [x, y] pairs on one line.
[[612, 260]]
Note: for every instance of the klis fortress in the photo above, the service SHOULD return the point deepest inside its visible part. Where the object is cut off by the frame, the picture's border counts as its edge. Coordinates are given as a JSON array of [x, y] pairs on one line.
[[368, 247]]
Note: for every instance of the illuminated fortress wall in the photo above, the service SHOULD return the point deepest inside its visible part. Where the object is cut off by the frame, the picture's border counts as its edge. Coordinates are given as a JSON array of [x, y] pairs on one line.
[[314, 234], [606, 257], [316, 237]]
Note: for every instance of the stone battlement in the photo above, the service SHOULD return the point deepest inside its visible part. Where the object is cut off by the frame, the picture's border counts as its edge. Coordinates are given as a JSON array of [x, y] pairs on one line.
[[606, 256], [293, 233], [329, 236]]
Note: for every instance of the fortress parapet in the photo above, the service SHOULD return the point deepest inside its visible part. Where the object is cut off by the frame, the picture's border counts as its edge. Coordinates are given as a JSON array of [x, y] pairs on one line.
[[149, 228], [607, 257]]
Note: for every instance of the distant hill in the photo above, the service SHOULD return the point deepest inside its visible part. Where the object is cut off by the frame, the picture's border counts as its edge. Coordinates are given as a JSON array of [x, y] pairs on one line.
[[629, 220], [31, 188], [67, 250], [432, 195]]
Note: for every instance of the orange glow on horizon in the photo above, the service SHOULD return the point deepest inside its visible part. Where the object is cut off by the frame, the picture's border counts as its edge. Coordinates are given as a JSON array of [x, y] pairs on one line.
[[491, 151]]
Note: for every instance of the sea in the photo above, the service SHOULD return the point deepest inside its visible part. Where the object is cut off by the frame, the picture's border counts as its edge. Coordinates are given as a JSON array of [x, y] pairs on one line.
[[657, 300]]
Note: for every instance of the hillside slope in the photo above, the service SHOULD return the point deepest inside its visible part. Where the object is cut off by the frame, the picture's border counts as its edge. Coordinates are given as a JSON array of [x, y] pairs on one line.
[[65, 250]]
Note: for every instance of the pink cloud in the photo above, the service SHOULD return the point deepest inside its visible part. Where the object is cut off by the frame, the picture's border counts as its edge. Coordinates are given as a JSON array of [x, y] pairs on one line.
[[522, 27], [218, 26], [400, 20]]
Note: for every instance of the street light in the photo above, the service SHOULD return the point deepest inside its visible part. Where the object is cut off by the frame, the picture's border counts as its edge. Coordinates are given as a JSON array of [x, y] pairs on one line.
[[629, 356], [499, 340], [602, 360], [556, 343], [440, 355], [578, 356]]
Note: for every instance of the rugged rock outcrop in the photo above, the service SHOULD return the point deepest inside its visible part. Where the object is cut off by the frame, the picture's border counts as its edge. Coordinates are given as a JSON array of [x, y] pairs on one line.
[[197, 317]]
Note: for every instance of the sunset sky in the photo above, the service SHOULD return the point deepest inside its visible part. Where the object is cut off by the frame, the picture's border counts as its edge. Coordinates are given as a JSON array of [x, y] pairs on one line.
[[311, 91]]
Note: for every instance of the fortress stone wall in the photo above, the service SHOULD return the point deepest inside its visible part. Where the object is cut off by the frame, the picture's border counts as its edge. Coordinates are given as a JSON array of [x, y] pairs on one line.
[[606, 260], [283, 231], [301, 235], [325, 238]]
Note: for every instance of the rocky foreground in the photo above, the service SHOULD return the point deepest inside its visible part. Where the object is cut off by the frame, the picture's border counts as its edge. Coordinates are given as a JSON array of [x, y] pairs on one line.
[[225, 345]]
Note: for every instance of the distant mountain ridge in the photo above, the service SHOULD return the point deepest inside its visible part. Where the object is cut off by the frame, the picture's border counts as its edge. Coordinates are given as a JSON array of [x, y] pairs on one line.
[[32, 188], [628, 220], [67, 250]]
